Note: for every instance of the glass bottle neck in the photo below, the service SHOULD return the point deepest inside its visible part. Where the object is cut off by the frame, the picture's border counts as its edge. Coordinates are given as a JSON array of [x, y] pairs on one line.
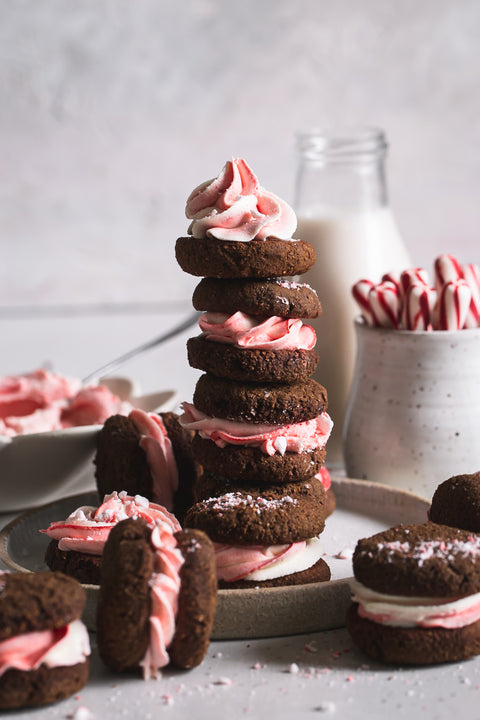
[[341, 172]]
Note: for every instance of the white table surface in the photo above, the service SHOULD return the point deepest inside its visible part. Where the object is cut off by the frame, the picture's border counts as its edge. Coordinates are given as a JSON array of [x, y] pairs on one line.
[[287, 677]]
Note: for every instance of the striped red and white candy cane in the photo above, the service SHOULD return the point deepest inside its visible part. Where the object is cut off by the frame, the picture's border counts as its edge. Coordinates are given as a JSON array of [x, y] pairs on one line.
[[385, 304], [471, 275], [360, 293], [447, 269], [413, 276], [418, 306], [452, 306]]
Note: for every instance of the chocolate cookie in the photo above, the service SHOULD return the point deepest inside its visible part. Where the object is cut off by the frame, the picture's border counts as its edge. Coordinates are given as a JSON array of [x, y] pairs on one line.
[[254, 259], [33, 603], [121, 464], [83, 567], [264, 298], [125, 603], [246, 365], [426, 560], [270, 516], [274, 404], [252, 464], [456, 502]]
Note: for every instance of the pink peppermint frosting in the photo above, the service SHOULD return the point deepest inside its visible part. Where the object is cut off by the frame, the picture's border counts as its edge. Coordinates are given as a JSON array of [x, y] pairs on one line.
[[58, 647], [235, 562], [234, 206], [400, 611], [86, 529], [274, 333], [160, 456], [296, 437], [164, 590]]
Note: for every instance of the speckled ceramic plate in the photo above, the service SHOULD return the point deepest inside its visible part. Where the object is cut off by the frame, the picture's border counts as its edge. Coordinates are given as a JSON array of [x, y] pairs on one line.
[[363, 508]]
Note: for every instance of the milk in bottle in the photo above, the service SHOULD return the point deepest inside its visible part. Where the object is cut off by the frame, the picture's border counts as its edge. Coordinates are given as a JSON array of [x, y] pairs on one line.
[[342, 209]]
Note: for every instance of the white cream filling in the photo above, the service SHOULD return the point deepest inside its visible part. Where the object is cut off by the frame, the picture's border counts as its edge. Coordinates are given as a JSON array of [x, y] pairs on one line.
[[72, 649], [402, 611], [288, 565]]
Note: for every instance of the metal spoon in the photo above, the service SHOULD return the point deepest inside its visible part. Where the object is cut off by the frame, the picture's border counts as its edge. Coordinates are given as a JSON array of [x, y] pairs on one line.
[[108, 367]]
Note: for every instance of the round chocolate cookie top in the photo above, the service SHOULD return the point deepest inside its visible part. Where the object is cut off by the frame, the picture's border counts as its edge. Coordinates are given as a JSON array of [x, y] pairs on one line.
[[261, 298], [252, 259], [272, 516], [456, 502], [423, 560], [38, 601], [274, 404], [247, 365]]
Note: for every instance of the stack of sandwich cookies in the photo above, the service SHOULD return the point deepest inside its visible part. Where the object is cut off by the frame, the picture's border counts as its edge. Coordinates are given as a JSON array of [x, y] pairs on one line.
[[77, 543], [261, 423], [44, 646], [157, 598], [146, 454], [416, 595]]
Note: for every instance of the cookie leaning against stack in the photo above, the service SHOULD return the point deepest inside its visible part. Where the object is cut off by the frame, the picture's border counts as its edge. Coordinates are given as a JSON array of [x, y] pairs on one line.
[[261, 423], [157, 598]]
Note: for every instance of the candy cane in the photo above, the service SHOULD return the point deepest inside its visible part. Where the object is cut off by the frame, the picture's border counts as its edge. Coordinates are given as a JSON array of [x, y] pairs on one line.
[[471, 275], [394, 278], [385, 304], [447, 269], [452, 307], [414, 276], [360, 293], [418, 307]]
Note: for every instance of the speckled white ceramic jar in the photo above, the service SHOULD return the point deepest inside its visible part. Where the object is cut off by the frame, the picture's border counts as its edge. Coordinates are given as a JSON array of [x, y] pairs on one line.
[[413, 417]]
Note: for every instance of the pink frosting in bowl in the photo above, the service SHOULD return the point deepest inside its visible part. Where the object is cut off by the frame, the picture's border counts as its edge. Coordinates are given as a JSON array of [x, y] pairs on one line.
[[46, 452], [233, 206]]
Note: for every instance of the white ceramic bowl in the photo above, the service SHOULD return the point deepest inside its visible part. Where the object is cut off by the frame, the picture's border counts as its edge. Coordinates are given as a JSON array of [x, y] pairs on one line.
[[41, 467]]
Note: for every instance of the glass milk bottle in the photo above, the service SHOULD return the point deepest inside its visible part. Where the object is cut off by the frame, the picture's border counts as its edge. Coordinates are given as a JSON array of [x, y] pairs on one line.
[[342, 208]]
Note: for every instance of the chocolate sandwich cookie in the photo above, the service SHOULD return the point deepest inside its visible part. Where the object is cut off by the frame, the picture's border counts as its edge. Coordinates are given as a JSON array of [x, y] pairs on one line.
[[252, 464], [121, 463], [414, 595], [125, 603], [272, 515], [273, 404], [265, 298], [86, 568], [456, 502], [253, 259], [247, 365], [41, 609]]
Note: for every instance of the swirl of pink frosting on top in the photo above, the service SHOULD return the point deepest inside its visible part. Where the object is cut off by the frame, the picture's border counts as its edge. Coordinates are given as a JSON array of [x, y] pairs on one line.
[[297, 437], [86, 529], [164, 590], [274, 333], [234, 206], [160, 456]]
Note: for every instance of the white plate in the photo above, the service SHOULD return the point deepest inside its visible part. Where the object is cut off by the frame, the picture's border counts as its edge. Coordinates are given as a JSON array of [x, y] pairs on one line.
[[41, 467], [363, 508]]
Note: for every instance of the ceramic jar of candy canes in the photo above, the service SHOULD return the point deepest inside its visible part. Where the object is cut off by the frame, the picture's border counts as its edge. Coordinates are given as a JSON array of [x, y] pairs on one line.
[[413, 415]]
